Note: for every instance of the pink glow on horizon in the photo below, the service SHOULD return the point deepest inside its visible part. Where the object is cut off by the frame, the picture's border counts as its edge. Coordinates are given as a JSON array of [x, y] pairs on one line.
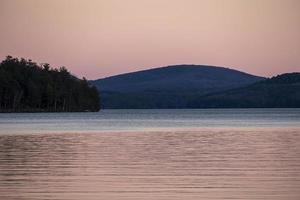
[[99, 38]]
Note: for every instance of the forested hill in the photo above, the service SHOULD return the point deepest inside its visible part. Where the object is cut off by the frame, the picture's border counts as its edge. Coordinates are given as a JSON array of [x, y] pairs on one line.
[[168, 87], [177, 78], [282, 91], [28, 87]]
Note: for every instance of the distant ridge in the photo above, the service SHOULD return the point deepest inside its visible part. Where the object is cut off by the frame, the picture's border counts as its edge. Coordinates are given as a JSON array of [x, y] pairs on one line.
[[168, 87], [282, 91], [177, 77]]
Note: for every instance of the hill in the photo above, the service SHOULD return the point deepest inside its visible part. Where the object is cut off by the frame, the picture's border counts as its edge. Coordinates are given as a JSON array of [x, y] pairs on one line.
[[168, 87], [28, 87], [277, 92]]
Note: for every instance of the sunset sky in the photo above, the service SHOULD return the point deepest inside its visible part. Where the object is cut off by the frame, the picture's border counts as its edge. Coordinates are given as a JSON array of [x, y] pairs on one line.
[[99, 38]]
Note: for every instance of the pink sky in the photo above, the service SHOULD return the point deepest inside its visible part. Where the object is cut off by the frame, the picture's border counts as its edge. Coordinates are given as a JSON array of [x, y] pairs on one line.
[[99, 38]]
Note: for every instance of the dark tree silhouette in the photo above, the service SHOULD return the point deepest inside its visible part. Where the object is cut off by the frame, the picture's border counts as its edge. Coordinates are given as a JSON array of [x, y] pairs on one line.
[[28, 87]]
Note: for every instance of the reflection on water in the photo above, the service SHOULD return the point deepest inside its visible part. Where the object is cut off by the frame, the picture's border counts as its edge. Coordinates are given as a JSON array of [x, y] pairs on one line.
[[198, 164], [141, 120]]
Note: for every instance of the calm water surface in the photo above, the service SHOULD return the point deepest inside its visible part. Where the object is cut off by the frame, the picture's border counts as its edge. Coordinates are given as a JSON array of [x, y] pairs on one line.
[[151, 154]]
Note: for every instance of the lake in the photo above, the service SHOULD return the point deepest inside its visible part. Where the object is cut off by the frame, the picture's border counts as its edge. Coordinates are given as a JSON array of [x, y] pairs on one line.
[[151, 155]]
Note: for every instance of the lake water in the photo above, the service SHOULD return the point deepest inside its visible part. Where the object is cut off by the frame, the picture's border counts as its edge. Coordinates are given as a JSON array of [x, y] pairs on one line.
[[151, 155]]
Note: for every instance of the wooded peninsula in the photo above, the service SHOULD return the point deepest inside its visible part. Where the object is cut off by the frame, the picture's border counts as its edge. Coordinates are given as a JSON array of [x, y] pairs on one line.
[[26, 86]]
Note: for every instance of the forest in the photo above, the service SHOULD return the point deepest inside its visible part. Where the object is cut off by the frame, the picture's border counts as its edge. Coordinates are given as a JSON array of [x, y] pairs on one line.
[[281, 91], [26, 86]]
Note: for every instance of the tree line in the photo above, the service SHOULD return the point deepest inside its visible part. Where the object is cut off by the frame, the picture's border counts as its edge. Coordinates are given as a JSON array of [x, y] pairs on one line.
[[26, 86]]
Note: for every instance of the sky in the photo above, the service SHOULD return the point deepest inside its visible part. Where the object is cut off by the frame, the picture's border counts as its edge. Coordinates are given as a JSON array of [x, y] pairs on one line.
[[100, 38]]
